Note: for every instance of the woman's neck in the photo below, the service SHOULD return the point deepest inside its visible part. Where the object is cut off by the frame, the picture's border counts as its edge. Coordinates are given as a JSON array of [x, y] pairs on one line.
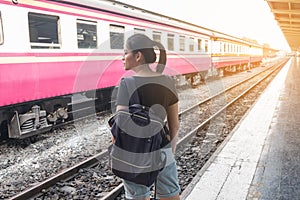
[[144, 70]]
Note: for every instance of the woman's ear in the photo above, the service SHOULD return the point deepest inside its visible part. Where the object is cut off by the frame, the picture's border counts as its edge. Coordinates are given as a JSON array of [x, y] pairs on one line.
[[139, 57]]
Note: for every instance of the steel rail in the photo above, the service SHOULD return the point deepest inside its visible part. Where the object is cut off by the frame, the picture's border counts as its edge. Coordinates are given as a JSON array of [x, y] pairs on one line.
[[65, 174], [223, 91], [189, 135]]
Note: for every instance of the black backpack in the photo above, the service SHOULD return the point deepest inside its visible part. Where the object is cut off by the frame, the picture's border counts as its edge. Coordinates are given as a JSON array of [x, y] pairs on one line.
[[139, 136]]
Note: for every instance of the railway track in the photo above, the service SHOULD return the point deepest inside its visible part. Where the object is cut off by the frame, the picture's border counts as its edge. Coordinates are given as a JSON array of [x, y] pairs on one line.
[[202, 120]]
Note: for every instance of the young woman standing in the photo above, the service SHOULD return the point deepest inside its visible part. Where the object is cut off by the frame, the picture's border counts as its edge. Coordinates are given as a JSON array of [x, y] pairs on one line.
[[157, 92]]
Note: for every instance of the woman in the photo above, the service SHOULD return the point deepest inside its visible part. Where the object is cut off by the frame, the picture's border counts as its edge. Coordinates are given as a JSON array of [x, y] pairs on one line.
[[158, 92]]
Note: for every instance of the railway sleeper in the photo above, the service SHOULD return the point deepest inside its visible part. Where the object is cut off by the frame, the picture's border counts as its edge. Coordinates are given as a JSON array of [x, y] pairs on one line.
[[28, 124]]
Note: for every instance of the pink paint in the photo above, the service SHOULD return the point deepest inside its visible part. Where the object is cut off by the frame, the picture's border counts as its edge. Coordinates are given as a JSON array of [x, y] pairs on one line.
[[22, 82]]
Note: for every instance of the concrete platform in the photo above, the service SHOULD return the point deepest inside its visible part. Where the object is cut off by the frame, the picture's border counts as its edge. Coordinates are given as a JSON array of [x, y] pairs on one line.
[[261, 158]]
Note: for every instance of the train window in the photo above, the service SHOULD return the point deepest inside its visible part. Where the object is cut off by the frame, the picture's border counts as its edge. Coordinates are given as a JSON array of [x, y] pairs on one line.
[[181, 43], [171, 42], [44, 31], [1, 30], [199, 45], [116, 36], [157, 36], [139, 30], [221, 45], [86, 34], [191, 44], [206, 45]]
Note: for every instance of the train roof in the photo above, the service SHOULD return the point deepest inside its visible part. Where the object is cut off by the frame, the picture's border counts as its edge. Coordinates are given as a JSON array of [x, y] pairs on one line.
[[127, 10]]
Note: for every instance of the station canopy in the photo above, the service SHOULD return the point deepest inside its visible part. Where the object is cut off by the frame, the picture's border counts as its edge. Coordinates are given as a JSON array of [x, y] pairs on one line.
[[287, 14]]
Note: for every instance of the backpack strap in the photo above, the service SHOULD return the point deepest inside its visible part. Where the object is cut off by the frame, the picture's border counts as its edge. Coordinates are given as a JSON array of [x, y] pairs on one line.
[[155, 188], [132, 90]]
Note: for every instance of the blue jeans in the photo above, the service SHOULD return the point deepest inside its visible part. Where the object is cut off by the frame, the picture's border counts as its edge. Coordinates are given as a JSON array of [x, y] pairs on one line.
[[167, 185]]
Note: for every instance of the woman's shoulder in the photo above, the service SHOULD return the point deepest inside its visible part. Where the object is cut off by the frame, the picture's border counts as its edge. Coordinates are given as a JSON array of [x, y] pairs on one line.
[[160, 79], [168, 79], [157, 76]]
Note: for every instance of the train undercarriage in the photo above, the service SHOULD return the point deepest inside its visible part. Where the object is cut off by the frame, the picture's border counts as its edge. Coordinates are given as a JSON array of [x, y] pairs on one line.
[[194, 79], [32, 118]]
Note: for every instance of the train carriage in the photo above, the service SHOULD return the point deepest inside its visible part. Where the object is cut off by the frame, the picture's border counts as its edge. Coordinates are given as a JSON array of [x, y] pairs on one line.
[[231, 54], [59, 54]]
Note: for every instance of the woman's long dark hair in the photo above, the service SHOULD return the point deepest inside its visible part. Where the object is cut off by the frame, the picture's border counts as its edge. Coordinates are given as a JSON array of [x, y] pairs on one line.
[[140, 42]]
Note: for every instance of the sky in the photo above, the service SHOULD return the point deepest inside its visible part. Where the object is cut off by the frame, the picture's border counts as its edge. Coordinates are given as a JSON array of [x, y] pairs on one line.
[[241, 18]]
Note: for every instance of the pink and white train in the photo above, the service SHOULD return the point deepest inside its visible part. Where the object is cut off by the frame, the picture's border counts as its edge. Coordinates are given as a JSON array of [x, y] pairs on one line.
[[53, 51]]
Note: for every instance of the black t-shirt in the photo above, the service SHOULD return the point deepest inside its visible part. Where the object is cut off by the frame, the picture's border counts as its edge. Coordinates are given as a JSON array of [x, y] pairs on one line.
[[157, 92]]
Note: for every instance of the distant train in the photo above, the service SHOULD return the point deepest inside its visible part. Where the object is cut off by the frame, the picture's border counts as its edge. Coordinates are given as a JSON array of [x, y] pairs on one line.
[[52, 51]]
